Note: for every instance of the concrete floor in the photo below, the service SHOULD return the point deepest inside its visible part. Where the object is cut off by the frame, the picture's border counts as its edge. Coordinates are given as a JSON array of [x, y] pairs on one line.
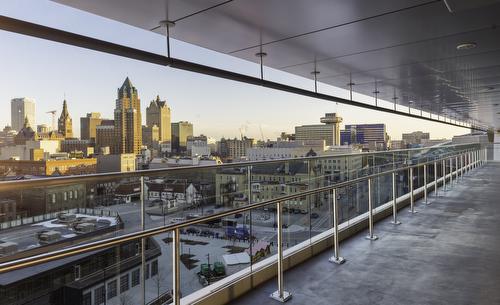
[[447, 253]]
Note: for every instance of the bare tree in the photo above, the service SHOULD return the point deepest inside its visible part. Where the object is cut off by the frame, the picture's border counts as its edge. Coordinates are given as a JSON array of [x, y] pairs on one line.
[[158, 280]]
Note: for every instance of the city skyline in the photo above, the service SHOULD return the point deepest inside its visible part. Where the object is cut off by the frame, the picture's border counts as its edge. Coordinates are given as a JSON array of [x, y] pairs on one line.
[[93, 80]]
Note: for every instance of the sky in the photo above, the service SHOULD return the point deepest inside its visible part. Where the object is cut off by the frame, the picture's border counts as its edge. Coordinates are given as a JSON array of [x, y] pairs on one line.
[[49, 72]]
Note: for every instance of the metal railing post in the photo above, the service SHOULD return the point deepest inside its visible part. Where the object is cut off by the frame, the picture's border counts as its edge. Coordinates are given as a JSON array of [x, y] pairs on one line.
[[176, 271], [425, 184], [280, 295], [456, 169], [370, 235], [462, 166], [143, 245], [444, 175], [336, 258], [435, 179], [412, 198], [394, 201], [451, 172]]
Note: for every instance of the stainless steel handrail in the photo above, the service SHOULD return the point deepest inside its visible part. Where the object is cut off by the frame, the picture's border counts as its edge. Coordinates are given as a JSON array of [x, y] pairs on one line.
[[106, 177], [105, 243]]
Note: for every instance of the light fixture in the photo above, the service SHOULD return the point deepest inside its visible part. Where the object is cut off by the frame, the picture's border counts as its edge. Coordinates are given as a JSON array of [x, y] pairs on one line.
[[466, 46], [261, 54], [315, 72]]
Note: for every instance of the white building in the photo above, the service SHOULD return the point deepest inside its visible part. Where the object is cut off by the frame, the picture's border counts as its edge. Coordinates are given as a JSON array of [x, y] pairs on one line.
[[21, 108], [285, 150], [198, 146], [23, 152]]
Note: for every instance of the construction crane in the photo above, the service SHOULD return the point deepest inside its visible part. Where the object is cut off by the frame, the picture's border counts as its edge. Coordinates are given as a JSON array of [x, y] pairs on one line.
[[53, 113]]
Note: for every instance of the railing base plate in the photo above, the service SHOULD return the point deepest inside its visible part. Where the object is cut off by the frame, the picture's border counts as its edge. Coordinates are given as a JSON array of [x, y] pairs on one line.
[[276, 296], [397, 222], [374, 237], [337, 260]]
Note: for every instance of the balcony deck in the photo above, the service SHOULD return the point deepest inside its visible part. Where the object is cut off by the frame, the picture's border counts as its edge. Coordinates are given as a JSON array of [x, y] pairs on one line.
[[447, 253]]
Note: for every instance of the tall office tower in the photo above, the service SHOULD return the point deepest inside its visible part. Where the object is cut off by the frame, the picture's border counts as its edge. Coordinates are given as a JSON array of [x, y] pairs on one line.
[[21, 108], [374, 135], [88, 125], [65, 122], [128, 125], [158, 113], [329, 131], [180, 132]]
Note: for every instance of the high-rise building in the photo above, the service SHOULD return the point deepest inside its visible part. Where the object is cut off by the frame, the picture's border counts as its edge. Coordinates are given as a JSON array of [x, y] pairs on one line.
[[88, 125], [374, 135], [329, 131], [128, 127], [21, 108], [158, 113], [65, 122], [180, 132], [150, 135], [105, 136]]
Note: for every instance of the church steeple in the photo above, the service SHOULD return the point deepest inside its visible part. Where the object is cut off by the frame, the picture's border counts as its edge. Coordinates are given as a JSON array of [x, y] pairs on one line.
[[65, 123]]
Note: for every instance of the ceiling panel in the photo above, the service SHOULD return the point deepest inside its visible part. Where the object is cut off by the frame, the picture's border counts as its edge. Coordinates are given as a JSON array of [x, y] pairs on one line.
[[408, 47]]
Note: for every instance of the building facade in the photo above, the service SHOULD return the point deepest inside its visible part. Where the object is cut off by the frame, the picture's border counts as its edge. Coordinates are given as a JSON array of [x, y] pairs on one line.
[[416, 137], [374, 135], [234, 149], [128, 127], [21, 109], [180, 132], [158, 113], [89, 123], [197, 146], [150, 136], [329, 131]]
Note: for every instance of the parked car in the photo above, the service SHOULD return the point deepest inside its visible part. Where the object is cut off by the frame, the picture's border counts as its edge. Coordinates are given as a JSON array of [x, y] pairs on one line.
[[314, 215], [192, 230]]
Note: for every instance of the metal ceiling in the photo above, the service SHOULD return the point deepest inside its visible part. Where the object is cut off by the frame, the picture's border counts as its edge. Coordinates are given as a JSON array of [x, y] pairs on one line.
[[406, 49]]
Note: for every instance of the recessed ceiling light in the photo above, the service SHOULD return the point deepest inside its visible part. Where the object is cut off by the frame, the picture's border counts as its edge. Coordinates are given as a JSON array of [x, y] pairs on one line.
[[261, 54], [495, 104], [466, 46]]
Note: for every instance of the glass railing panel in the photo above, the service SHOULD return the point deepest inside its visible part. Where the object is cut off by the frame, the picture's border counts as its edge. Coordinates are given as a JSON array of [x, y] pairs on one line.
[[264, 230], [112, 275], [183, 194], [356, 200], [319, 218], [215, 249]]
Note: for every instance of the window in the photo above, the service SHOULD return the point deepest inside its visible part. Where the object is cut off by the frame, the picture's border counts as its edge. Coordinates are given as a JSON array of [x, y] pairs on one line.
[[70, 195], [124, 283], [53, 198], [154, 268], [77, 272], [146, 271], [136, 277], [112, 289], [87, 298], [76, 194], [99, 295], [65, 196]]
